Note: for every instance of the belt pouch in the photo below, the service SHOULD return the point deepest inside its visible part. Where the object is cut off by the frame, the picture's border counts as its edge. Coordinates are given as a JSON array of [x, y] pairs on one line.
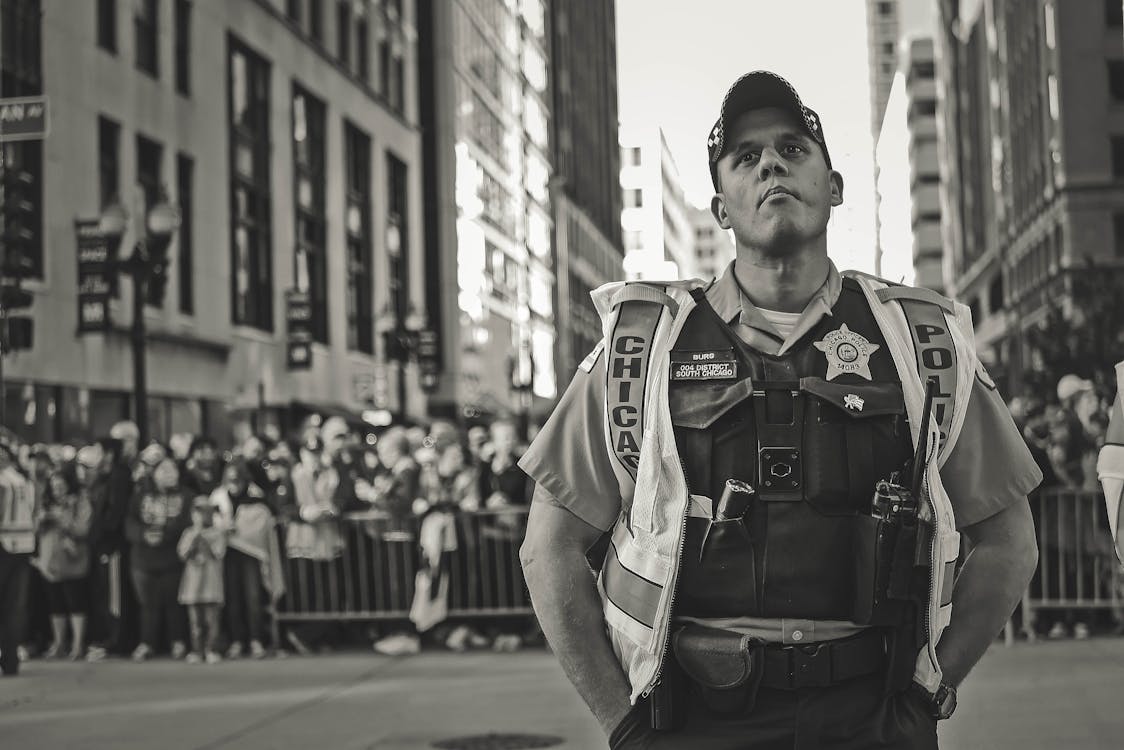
[[901, 656], [724, 667]]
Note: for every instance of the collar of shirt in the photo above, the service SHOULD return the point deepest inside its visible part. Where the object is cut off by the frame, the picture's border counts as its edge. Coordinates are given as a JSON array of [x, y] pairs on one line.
[[734, 307]]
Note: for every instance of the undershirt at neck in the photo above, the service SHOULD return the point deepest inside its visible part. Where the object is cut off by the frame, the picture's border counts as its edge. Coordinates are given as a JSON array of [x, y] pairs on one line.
[[784, 322]]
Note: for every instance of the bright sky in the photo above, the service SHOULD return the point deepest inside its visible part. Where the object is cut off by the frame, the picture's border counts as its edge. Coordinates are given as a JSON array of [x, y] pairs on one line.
[[676, 60]]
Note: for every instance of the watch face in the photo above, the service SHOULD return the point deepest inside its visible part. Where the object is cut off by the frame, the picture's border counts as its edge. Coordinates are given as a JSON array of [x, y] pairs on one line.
[[945, 701]]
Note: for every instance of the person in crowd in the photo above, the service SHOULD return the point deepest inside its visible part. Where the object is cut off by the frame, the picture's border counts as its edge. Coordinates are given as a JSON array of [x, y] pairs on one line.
[[17, 542], [156, 519], [394, 492], [313, 541], [504, 485], [252, 564], [63, 557], [113, 602], [203, 467], [202, 547], [502, 482]]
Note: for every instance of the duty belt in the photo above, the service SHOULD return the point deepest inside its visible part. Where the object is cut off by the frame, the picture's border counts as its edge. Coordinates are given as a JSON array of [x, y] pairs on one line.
[[823, 664], [721, 660]]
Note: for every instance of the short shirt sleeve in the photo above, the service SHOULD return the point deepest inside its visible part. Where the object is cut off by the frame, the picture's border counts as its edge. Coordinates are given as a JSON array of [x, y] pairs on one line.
[[990, 467], [568, 458]]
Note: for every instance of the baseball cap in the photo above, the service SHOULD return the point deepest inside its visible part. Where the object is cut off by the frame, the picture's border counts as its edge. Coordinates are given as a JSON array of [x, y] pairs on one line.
[[1070, 385], [756, 90]]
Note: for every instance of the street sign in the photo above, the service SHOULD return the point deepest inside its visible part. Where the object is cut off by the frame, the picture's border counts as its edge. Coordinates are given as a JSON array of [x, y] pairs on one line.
[[24, 118], [298, 318], [96, 267]]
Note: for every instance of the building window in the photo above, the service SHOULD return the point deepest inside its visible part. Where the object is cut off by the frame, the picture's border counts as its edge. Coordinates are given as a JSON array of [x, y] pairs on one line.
[[293, 10], [343, 32], [396, 95], [250, 241], [887, 48], [1118, 156], [995, 294], [632, 156], [109, 160], [1116, 79], [397, 245], [185, 263], [316, 21], [633, 198], [146, 35], [362, 49], [384, 67], [1118, 233], [359, 306], [1113, 13], [308, 197], [183, 47], [107, 25], [150, 156], [885, 8]]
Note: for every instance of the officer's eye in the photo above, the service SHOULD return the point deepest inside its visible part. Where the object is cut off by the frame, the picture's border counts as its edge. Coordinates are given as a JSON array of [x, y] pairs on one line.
[[749, 157], [794, 148]]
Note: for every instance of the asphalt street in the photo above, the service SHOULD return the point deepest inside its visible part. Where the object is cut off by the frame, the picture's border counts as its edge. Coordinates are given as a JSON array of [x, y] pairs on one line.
[[1066, 695]]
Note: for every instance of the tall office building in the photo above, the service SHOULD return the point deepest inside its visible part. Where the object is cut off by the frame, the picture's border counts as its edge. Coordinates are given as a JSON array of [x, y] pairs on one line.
[[909, 204], [1033, 132], [286, 132], [714, 246], [658, 238], [586, 193], [490, 280]]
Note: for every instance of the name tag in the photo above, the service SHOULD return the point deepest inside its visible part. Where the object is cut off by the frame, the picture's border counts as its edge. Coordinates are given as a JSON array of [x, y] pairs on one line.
[[711, 364]]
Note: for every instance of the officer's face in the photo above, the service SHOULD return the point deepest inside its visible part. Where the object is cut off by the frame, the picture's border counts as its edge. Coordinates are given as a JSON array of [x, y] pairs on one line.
[[775, 189]]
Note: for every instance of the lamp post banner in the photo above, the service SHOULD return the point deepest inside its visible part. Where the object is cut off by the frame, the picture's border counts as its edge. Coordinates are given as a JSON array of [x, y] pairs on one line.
[[95, 276], [298, 318]]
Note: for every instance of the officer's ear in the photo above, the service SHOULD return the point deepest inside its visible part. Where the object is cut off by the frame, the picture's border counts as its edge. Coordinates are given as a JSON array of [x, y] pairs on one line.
[[718, 209], [836, 181]]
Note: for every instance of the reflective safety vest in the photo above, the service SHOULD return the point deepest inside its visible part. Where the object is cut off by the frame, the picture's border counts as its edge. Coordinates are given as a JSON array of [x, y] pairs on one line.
[[930, 339], [1110, 464], [17, 513]]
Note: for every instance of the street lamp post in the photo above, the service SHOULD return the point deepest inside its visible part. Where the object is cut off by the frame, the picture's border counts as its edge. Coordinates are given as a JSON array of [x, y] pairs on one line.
[[145, 265]]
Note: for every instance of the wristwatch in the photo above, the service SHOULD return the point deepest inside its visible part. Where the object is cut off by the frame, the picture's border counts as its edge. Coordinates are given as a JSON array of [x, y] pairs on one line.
[[941, 703]]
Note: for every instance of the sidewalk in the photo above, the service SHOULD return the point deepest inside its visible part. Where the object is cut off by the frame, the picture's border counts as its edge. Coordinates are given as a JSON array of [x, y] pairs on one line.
[[1065, 695]]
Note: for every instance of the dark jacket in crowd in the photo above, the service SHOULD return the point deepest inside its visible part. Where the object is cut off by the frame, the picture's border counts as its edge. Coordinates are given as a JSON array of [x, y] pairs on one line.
[[117, 488], [153, 526]]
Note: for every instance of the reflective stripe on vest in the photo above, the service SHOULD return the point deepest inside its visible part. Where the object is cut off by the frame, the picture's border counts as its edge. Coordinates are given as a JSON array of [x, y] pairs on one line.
[[630, 592]]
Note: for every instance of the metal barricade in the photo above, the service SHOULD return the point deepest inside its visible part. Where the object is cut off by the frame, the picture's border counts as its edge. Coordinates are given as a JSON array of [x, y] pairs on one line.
[[373, 576], [1077, 565]]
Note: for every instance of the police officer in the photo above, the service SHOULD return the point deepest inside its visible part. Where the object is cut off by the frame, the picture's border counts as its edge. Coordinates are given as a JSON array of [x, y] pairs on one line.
[[17, 542], [778, 465], [1110, 465]]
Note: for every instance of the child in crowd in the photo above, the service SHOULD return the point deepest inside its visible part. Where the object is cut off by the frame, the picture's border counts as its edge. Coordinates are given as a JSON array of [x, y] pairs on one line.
[[64, 558], [157, 516], [202, 548], [252, 548]]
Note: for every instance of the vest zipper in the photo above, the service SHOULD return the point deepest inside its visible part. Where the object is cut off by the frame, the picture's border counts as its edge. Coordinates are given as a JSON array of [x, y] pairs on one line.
[[674, 584], [934, 560]]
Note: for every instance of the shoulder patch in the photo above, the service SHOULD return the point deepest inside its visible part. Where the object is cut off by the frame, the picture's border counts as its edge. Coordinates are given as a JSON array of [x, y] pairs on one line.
[[984, 377], [591, 358], [918, 294]]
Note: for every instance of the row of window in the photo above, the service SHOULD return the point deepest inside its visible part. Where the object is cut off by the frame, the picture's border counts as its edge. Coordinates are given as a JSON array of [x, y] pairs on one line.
[[251, 244], [353, 42], [146, 37]]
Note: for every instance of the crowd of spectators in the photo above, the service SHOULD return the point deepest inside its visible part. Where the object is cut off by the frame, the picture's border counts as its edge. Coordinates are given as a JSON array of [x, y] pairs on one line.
[[1065, 437], [111, 547]]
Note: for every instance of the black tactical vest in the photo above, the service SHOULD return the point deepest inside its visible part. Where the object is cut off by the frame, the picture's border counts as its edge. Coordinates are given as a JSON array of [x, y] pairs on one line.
[[813, 448]]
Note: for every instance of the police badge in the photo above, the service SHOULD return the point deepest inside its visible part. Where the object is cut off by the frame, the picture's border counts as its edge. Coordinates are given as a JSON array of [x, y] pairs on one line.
[[847, 352]]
